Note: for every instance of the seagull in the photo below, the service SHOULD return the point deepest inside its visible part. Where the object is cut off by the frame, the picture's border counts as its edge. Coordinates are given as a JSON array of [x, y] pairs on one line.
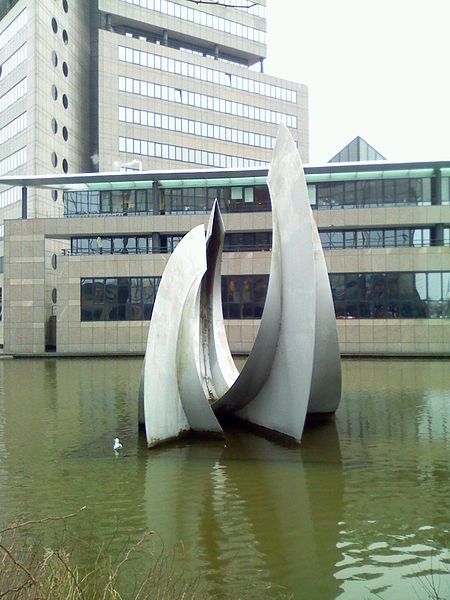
[[117, 445]]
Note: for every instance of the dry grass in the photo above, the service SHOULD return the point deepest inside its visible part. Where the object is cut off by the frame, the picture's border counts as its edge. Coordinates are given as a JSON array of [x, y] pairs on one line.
[[31, 571]]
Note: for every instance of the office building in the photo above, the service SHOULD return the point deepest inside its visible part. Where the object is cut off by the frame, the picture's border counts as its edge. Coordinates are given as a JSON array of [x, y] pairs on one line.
[[385, 230], [119, 85]]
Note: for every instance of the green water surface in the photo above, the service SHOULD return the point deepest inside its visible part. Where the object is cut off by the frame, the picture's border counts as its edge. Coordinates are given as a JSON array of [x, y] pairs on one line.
[[359, 510]]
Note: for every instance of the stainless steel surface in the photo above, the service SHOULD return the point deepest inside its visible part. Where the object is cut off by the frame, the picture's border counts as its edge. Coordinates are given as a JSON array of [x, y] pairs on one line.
[[325, 392], [165, 417], [277, 384]]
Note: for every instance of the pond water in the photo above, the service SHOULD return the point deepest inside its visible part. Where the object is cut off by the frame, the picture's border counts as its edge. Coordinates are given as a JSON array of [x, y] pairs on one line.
[[359, 510]]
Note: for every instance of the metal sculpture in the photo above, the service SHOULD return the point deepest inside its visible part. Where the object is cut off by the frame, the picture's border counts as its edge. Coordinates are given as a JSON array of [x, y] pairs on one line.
[[189, 377]]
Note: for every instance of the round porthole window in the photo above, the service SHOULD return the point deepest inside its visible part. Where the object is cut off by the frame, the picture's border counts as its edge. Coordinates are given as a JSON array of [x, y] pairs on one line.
[[54, 260], [54, 295], [54, 25], [65, 6], [54, 195], [54, 92], [65, 69], [65, 165], [65, 37], [54, 58], [54, 159], [65, 133], [65, 101], [54, 125]]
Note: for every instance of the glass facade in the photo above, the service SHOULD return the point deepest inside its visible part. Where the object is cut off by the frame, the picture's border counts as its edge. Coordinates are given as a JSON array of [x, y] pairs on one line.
[[197, 128], [243, 296], [200, 73], [193, 15], [143, 244], [391, 295], [372, 193], [248, 241], [118, 202], [133, 244], [118, 298], [375, 238], [179, 201], [150, 89]]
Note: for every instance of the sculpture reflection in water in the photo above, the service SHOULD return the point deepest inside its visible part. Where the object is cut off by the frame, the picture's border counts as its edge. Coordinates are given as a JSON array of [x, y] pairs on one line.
[[257, 518], [189, 378]]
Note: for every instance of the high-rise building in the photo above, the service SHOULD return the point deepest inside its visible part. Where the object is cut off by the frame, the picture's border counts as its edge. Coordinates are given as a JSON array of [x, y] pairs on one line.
[[118, 85], [109, 85]]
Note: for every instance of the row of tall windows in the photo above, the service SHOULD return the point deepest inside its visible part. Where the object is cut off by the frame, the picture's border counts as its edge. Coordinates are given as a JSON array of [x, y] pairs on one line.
[[204, 101], [375, 238], [199, 200], [257, 241], [371, 193], [183, 154], [143, 244], [13, 94], [120, 202], [133, 244], [7, 34], [391, 295], [179, 201], [13, 127], [13, 61], [172, 9], [171, 201], [197, 128], [356, 295], [200, 73], [118, 298], [13, 161]]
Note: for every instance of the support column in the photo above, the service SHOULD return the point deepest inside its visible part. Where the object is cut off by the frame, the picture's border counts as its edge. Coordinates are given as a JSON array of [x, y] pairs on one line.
[[24, 202]]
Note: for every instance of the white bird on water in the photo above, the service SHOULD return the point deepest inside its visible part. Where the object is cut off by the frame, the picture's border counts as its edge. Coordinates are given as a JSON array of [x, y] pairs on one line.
[[117, 445]]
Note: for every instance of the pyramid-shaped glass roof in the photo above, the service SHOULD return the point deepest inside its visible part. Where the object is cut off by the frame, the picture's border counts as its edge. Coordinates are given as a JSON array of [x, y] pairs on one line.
[[357, 150]]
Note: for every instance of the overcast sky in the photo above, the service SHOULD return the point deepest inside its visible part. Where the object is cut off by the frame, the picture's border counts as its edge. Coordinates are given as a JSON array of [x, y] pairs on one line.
[[379, 69]]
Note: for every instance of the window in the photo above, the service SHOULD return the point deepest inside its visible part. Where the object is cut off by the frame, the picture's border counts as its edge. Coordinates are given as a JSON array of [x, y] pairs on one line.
[[390, 295], [118, 298]]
